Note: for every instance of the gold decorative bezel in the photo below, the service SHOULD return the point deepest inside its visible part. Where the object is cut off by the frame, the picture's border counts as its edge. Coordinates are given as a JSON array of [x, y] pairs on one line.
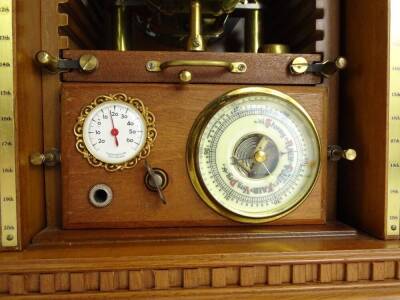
[[192, 152], [136, 104]]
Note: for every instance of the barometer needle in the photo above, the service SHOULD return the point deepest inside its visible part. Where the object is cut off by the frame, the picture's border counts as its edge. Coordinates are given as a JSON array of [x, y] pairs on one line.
[[114, 131]]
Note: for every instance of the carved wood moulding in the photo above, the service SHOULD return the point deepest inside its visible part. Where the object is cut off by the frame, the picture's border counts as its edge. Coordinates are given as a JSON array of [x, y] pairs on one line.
[[298, 275]]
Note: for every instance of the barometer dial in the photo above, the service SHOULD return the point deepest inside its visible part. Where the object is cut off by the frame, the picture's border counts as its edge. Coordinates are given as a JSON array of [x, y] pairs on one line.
[[115, 132], [254, 155]]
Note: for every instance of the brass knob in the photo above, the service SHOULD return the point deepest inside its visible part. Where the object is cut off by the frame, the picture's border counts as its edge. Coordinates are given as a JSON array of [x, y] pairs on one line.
[[299, 66], [47, 61], [329, 68], [49, 158], [185, 76], [88, 63], [336, 153]]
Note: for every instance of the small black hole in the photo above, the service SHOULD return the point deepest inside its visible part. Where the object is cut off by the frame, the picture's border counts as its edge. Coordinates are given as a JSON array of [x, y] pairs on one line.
[[100, 196]]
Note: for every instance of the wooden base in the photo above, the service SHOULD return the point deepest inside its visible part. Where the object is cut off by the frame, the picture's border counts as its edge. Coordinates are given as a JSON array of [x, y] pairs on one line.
[[59, 237], [249, 268]]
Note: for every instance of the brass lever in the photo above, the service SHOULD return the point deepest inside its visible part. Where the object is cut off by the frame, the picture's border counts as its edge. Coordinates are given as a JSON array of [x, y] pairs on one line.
[[336, 153], [87, 63], [327, 68], [49, 158], [233, 67]]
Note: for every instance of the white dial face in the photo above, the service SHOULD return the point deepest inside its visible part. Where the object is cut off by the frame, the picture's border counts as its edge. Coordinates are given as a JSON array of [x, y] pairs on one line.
[[114, 132], [258, 156]]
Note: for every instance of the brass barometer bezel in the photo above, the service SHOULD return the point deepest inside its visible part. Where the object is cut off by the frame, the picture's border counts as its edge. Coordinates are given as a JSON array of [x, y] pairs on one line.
[[196, 133], [137, 105]]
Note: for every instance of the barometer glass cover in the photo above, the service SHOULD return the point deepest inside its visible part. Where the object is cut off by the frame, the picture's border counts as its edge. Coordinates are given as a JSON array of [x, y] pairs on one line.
[[254, 155]]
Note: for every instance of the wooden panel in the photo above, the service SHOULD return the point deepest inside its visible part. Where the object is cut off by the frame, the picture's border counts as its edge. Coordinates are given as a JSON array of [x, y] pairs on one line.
[[204, 277], [47, 284], [247, 276], [3, 283], [299, 274], [136, 280], [190, 278], [184, 208], [16, 284], [77, 282], [92, 281], [29, 119], [218, 277], [107, 281], [175, 277], [274, 275], [325, 273], [123, 280], [364, 92], [161, 280], [32, 283], [130, 66], [62, 282], [352, 273], [378, 271]]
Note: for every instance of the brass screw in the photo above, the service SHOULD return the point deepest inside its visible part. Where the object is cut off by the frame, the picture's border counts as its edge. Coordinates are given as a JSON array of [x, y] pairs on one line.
[[393, 227], [196, 42], [260, 156], [10, 237], [37, 159], [47, 61], [185, 76], [341, 63], [350, 154], [88, 63], [242, 67], [299, 66]]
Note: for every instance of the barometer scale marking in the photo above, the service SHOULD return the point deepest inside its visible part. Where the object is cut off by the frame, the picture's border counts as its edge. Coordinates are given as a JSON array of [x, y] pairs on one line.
[[393, 185], [227, 187], [8, 193]]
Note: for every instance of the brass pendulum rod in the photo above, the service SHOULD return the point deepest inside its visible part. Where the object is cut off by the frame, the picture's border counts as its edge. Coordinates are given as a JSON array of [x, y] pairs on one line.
[[253, 31], [195, 40], [122, 27]]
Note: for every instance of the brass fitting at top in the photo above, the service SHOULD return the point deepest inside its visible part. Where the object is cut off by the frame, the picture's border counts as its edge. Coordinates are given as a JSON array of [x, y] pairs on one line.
[[195, 41]]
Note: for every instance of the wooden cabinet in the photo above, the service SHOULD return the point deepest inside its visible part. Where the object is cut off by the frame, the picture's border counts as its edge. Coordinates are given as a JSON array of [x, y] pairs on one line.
[[346, 256]]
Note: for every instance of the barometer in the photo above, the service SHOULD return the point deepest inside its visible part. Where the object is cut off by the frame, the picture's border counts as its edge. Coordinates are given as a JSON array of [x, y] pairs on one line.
[[253, 155], [115, 132]]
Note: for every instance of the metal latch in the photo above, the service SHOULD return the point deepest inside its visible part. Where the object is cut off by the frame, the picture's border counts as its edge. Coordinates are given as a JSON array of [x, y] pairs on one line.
[[300, 66], [87, 63]]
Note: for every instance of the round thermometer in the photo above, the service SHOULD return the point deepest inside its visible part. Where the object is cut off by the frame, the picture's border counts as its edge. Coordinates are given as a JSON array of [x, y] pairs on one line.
[[254, 155], [115, 132]]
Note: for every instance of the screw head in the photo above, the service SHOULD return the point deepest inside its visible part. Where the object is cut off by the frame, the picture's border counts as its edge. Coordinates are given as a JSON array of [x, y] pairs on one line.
[[350, 154], [299, 66], [10, 237], [393, 227], [242, 67], [88, 63]]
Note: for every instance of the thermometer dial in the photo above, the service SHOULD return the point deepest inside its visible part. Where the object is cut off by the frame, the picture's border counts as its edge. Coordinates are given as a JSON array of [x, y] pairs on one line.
[[254, 155], [115, 132]]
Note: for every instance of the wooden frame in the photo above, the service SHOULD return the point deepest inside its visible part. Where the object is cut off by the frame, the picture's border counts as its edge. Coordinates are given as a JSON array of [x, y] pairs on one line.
[[355, 265]]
